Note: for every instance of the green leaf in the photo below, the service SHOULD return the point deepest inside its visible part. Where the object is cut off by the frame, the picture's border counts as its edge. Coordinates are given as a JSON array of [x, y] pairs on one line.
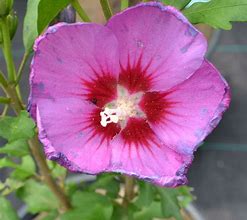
[[216, 13], [5, 162], [185, 196], [90, 206], [51, 216], [179, 4], [57, 170], [25, 169], [121, 213], [30, 30], [11, 185], [146, 194], [149, 212], [14, 128], [17, 148], [107, 182], [169, 203], [38, 16], [48, 10], [2, 186], [7, 212], [38, 197]]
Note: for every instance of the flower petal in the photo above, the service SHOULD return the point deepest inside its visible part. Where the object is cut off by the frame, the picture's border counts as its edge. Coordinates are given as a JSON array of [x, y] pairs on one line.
[[71, 133], [75, 60], [137, 151], [159, 48], [186, 114]]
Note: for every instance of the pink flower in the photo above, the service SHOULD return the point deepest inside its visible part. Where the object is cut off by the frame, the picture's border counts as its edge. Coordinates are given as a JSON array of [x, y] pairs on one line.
[[135, 96]]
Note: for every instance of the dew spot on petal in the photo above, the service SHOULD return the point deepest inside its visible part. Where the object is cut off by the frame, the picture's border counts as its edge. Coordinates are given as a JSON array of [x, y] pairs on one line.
[[199, 133], [215, 122], [52, 30], [204, 112], [140, 44], [59, 60], [37, 52], [41, 86], [191, 32]]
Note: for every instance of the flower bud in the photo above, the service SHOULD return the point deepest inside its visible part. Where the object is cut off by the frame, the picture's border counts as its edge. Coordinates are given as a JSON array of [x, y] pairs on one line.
[[5, 7], [12, 23], [68, 15]]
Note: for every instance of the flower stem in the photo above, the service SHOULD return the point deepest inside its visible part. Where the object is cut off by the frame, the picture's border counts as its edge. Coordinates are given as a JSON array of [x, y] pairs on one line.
[[7, 50], [124, 4], [46, 174], [128, 190], [39, 157], [80, 10], [21, 67], [106, 8]]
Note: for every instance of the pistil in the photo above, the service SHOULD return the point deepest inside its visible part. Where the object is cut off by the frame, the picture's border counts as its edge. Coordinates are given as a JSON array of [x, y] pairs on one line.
[[125, 106]]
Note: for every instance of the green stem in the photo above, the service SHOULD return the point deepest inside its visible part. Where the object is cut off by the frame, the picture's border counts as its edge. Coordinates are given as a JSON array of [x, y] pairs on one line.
[[5, 100], [3, 82], [5, 110], [46, 174], [7, 50], [21, 67], [124, 4], [80, 10], [15, 103], [106, 9], [128, 190]]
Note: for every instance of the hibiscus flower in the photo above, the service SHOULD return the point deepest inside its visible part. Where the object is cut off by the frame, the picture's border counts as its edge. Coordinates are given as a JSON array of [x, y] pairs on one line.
[[135, 96]]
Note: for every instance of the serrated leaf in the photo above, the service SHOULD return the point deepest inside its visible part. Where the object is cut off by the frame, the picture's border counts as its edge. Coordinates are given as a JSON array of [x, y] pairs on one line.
[[7, 212], [107, 182], [17, 148], [30, 30], [53, 215], [57, 170], [146, 194], [149, 212], [217, 13], [21, 171], [48, 10], [179, 4], [14, 128], [25, 169], [185, 196], [169, 203], [6, 162], [120, 213], [90, 206], [124, 212], [38, 197], [1, 185], [11, 185]]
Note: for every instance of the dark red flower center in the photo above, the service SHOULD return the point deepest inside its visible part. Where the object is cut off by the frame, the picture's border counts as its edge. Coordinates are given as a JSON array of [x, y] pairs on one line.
[[125, 104]]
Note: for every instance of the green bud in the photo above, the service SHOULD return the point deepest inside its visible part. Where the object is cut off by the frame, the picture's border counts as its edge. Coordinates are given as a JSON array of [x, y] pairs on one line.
[[12, 24], [5, 7]]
